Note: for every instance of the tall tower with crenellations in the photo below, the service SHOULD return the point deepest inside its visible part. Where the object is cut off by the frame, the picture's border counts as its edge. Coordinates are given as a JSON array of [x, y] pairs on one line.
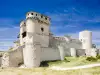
[[37, 36]]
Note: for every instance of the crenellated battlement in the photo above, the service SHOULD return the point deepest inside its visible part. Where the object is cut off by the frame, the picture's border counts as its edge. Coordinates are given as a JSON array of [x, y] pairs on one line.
[[39, 17]]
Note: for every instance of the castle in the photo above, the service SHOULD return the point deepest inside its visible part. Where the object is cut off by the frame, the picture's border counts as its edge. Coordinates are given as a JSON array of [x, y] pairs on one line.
[[36, 44]]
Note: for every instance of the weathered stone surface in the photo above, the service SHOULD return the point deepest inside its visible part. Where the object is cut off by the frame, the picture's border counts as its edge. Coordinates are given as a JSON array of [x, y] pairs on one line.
[[62, 53], [73, 52], [5, 60], [80, 52], [12, 58], [94, 52]]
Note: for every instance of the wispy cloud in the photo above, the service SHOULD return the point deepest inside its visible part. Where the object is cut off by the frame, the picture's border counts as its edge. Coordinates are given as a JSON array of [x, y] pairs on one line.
[[72, 20], [8, 22], [8, 32], [7, 37]]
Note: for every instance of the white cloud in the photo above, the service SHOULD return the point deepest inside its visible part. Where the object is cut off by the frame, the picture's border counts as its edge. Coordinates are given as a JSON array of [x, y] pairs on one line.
[[7, 37], [8, 32], [71, 15]]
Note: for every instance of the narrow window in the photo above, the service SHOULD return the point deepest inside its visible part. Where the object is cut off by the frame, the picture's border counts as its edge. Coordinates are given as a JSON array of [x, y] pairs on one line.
[[36, 14], [42, 29], [41, 16], [23, 34]]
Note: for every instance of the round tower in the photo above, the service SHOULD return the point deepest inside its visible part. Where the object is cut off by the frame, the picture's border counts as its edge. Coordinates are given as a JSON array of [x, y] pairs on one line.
[[37, 36], [22, 31], [86, 38]]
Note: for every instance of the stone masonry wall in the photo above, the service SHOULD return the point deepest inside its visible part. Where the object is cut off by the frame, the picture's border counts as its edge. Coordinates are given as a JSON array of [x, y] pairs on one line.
[[80, 52], [16, 57], [5, 60], [13, 58], [49, 54]]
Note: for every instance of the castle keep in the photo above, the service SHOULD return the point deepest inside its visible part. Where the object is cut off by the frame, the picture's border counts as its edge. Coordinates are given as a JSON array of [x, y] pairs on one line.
[[36, 44]]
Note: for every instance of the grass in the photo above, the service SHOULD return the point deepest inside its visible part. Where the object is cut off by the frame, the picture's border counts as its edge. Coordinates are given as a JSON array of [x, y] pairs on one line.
[[46, 71], [72, 61], [69, 62]]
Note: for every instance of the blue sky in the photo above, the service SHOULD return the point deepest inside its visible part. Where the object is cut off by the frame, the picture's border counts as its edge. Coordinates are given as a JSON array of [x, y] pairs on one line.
[[67, 17]]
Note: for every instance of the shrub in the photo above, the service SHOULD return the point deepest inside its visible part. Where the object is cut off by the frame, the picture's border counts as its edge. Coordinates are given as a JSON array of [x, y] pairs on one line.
[[98, 56], [65, 59], [91, 59]]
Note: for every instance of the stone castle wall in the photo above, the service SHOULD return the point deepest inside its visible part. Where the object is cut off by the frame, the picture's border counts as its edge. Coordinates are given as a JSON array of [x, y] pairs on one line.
[[80, 52], [49, 54], [16, 57], [13, 58], [56, 54]]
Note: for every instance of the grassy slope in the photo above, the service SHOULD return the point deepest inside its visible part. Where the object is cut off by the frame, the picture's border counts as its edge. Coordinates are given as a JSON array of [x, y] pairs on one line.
[[46, 71], [71, 61]]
